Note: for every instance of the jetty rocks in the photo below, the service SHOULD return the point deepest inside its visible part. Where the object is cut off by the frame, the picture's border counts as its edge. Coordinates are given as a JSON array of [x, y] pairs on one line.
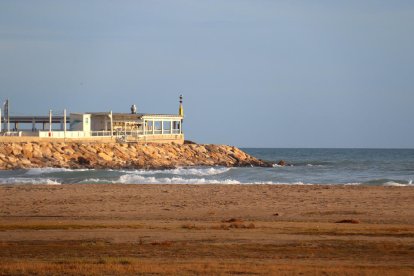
[[94, 155]]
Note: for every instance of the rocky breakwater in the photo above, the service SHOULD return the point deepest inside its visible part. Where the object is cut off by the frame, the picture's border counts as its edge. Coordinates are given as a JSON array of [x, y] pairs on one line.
[[114, 155]]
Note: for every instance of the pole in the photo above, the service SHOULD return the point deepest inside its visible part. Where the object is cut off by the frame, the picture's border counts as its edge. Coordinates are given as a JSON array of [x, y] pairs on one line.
[[112, 125], [6, 114], [64, 123], [50, 122]]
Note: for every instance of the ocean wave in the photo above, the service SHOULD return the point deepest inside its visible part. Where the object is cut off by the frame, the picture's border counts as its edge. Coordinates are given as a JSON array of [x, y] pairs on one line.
[[394, 184], [389, 182], [313, 165], [95, 180], [39, 171], [22, 180], [182, 171], [139, 179]]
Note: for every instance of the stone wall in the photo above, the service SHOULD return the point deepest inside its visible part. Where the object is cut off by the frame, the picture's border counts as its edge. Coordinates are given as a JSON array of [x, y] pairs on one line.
[[115, 155]]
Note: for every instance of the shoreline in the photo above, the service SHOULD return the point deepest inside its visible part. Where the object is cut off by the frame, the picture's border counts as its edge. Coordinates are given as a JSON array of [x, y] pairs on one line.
[[52, 183]]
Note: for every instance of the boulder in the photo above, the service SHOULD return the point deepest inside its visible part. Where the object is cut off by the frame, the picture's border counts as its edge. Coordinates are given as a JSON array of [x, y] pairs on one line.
[[112, 155], [281, 163], [104, 156]]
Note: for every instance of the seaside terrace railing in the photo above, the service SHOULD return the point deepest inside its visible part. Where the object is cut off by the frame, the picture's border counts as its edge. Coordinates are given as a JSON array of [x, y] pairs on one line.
[[134, 133], [138, 134], [101, 133], [11, 133]]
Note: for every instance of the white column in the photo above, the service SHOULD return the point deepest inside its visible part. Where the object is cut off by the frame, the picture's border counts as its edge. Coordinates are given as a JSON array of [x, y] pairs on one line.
[[64, 123], [144, 127], [162, 127], [112, 124], [171, 127], [50, 120], [153, 127], [8, 120]]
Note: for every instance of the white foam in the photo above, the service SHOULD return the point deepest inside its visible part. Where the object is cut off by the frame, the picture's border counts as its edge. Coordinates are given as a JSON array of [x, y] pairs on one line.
[[139, 179], [22, 180], [133, 179], [183, 171], [287, 183], [94, 180], [394, 184], [39, 171], [311, 165]]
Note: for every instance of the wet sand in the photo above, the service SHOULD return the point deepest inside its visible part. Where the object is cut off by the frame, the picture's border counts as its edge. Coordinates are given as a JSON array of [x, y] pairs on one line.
[[209, 229]]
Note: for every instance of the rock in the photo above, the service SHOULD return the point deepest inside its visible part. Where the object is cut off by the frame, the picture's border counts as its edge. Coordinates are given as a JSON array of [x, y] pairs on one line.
[[281, 163], [104, 156], [113, 155], [83, 161], [16, 149], [37, 153]]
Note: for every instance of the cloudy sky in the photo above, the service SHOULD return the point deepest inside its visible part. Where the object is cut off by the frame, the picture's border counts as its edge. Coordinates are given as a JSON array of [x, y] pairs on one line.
[[253, 73]]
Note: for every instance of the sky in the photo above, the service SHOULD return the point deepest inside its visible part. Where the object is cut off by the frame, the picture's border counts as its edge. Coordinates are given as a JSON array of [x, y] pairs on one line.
[[252, 73]]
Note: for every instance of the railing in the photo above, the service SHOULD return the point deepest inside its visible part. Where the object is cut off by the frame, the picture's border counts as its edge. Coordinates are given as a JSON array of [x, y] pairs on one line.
[[137, 134], [11, 133], [159, 131], [102, 133]]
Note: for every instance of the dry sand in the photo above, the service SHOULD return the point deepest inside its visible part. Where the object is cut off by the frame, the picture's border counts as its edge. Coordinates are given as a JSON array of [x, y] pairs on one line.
[[206, 229]]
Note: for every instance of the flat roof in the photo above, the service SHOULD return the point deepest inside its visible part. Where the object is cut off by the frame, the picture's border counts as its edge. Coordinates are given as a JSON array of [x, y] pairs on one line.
[[129, 115], [37, 119]]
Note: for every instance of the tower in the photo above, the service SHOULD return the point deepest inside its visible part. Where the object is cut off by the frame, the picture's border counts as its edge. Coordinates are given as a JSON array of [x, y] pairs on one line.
[[181, 109]]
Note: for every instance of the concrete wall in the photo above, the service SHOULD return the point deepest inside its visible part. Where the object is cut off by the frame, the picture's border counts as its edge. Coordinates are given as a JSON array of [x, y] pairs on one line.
[[98, 123], [61, 134], [80, 122]]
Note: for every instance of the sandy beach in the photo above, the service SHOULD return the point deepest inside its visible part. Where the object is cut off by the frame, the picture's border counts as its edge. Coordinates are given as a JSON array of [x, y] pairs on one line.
[[208, 229]]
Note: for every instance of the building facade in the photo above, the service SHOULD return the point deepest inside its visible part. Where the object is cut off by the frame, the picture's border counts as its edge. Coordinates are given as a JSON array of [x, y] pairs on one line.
[[128, 127]]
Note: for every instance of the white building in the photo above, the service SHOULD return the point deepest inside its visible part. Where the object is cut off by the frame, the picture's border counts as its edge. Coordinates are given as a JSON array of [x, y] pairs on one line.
[[98, 125]]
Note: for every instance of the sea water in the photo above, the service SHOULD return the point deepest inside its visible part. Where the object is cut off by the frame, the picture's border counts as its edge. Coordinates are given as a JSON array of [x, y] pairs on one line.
[[385, 167]]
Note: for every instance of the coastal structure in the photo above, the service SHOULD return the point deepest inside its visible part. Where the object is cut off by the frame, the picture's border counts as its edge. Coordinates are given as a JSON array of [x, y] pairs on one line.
[[133, 126]]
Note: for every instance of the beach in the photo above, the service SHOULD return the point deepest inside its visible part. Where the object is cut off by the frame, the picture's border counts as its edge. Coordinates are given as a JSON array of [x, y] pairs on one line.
[[206, 229]]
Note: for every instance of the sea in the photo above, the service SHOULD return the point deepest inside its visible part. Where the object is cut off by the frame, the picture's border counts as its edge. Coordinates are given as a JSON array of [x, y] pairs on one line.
[[376, 167]]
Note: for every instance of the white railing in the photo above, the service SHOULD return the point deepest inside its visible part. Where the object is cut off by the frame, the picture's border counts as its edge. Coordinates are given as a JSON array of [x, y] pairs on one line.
[[63, 134], [11, 133], [138, 134], [102, 133]]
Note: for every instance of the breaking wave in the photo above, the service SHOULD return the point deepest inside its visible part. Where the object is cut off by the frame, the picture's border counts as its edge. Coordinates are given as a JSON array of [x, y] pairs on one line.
[[139, 179], [39, 171], [133, 179], [388, 182], [22, 180], [182, 171]]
